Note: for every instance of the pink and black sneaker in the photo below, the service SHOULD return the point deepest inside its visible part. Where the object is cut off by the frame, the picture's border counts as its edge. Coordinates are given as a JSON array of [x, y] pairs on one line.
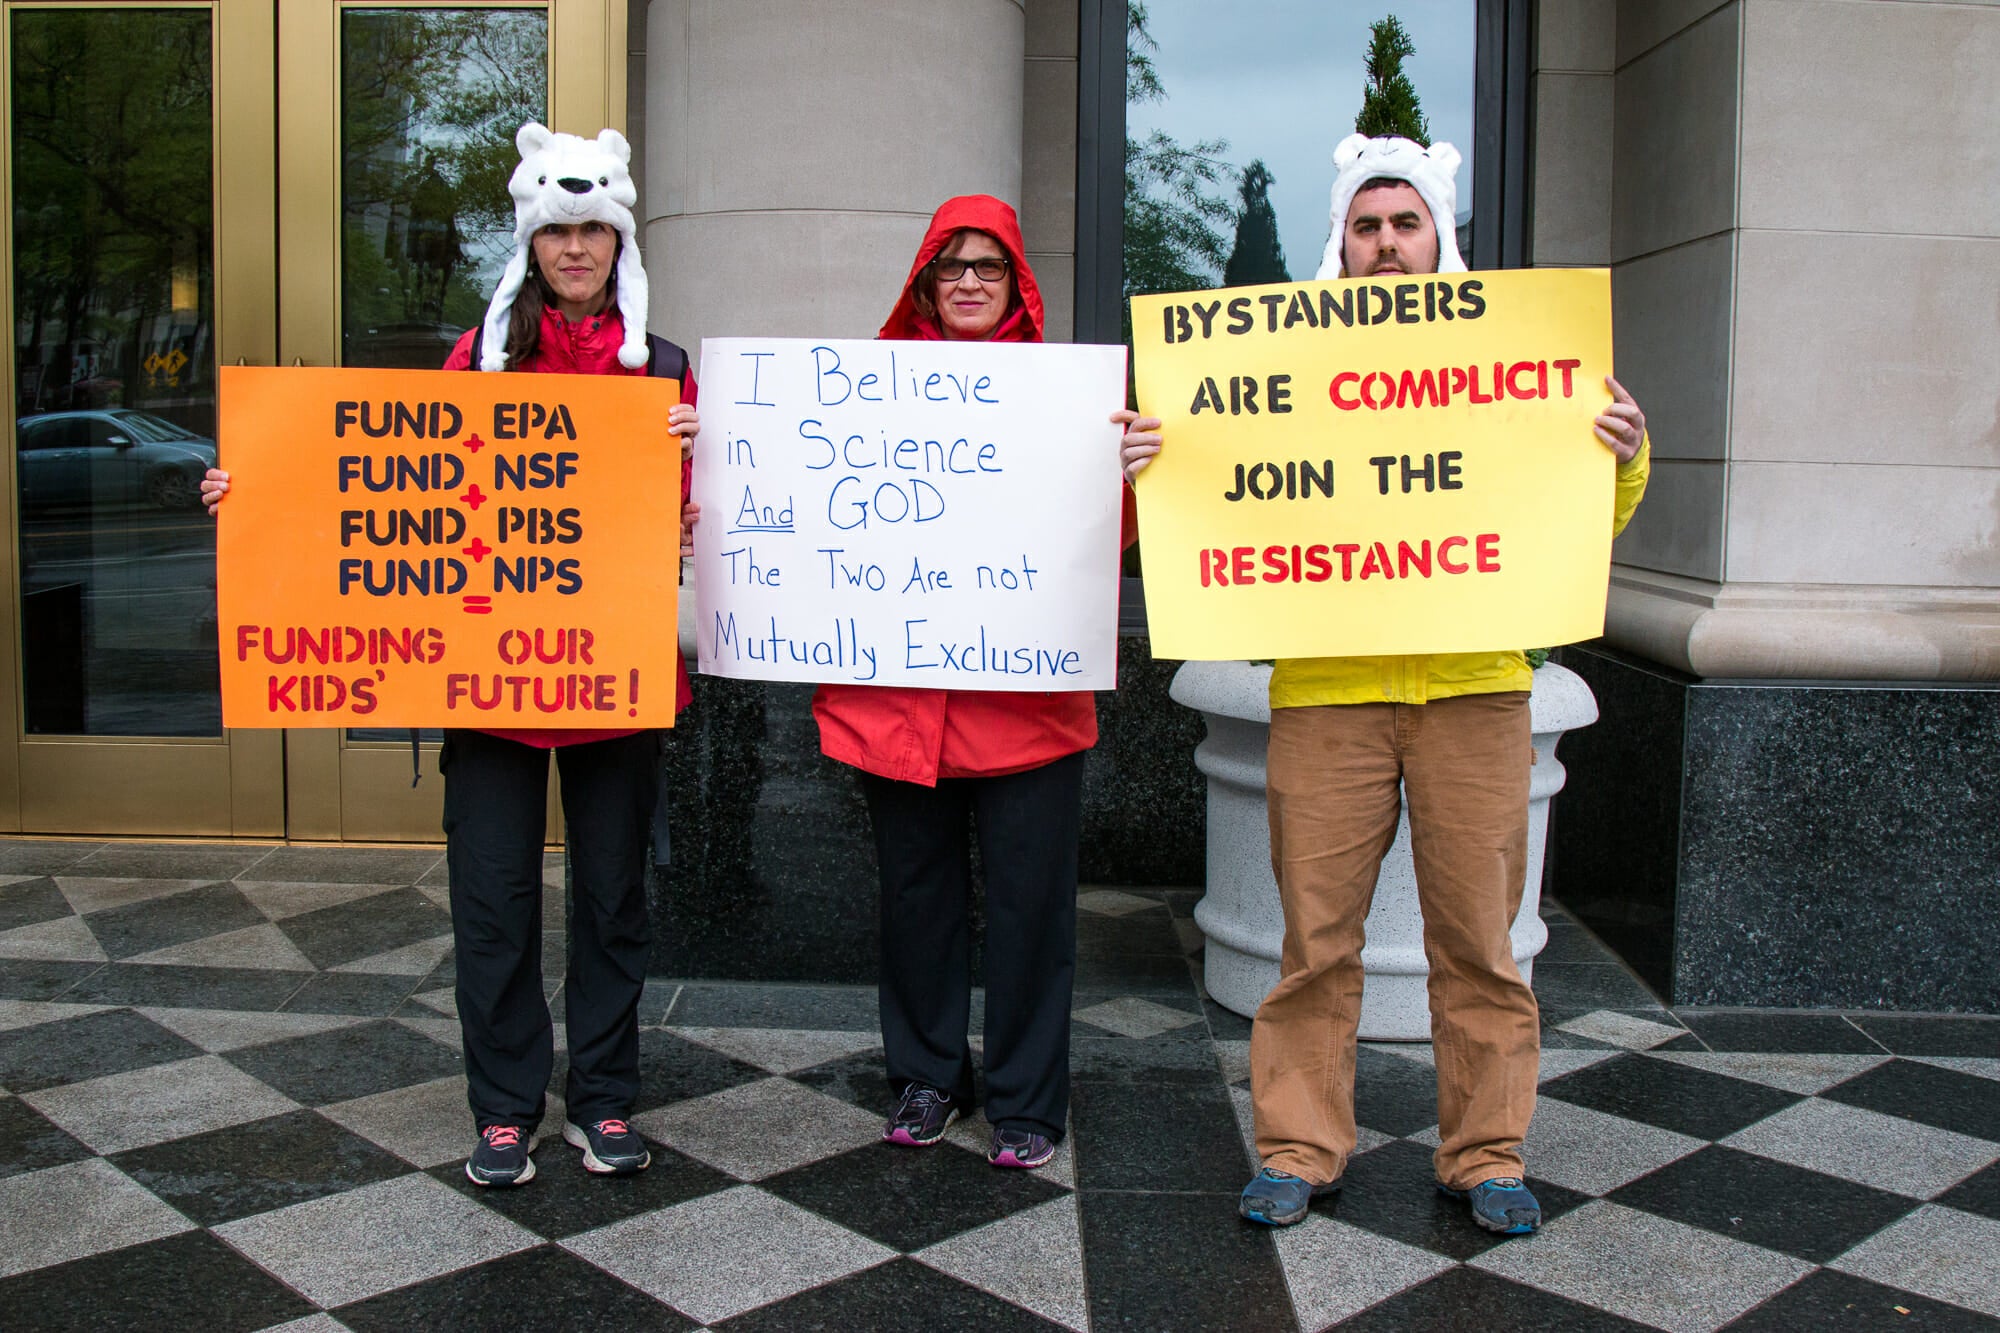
[[921, 1118], [610, 1147], [501, 1157], [1020, 1148]]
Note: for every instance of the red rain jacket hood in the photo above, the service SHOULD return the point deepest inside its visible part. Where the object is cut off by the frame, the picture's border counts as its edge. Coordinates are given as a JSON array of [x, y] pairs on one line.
[[980, 212]]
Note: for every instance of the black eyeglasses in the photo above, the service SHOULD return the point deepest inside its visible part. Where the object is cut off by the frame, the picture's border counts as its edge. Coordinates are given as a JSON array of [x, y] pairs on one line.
[[990, 269]]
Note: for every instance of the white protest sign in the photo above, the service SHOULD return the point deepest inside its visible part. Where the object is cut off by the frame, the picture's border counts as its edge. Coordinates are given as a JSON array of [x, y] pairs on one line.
[[937, 514]]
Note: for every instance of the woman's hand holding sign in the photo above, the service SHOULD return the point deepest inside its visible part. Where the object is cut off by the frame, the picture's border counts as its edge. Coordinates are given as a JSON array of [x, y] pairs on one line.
[[1142, 441], [214, 486]]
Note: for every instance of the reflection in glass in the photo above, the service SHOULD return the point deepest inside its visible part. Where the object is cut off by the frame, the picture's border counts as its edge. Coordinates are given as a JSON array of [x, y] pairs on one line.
[[114, 367], [430, 101]]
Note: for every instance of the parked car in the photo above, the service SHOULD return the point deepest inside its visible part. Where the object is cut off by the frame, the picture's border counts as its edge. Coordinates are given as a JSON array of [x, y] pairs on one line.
[[118, 456]]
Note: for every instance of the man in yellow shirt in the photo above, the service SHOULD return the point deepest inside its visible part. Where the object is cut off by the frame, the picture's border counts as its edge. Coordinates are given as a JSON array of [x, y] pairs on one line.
[[1349, 735]]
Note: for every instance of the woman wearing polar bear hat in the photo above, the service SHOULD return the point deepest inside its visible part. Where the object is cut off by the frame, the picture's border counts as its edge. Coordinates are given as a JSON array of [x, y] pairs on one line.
[[571, 301]]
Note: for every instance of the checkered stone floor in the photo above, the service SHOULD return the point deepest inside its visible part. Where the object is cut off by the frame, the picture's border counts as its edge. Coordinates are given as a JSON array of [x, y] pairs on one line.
[[231, 1098]]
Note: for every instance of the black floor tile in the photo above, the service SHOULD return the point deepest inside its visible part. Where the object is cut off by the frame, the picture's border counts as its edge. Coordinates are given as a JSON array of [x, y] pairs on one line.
[[30, 903], [179, 987], [565, 1200], [1225, 1024], [1964, 1103], [1571, 943], [34, 979], [673, 1069], [1809, 1034], [367, 926], [346, 865], [1147, 931], [1467, 1300], [909, 1199], [229, 1173], [1767, 1203], [190, 1281], [1392, 1095], [350, 1062], [1154, 975], [1826, 1299], [18, 857], [655, 1000], [74, 1049], [1910, 1035], [1659, 1092], [859, 1080], [1184, 1055], [1224, 1271], [1589, 986], [158, 923], [120, 860], [1392, 1191], [901, 1296], [1977, 1193], [353, 993], [30, 1141], [718, 1005], [1133, 1137], [540, 1289]]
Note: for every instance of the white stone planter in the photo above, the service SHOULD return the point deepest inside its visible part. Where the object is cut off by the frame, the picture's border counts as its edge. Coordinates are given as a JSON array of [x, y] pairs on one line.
[[1239, 913]]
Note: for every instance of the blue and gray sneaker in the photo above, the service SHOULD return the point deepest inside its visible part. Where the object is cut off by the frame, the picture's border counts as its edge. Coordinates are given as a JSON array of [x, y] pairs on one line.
[[610, 1148], [501, 1157], [921, 1117], [1502, 1204], [1278, 1199]]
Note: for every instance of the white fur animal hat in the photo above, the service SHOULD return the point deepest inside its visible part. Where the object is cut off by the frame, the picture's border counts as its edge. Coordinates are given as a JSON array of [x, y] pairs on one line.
[[566, 179], [1433, 171]]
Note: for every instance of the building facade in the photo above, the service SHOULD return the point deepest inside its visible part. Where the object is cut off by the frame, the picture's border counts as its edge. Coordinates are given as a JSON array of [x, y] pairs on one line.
[[1790, 798]]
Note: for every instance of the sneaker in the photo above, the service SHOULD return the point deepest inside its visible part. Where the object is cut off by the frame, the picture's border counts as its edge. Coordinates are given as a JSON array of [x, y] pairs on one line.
[[1502, 1204], [1020, 1147], [501, 1157], [921, 1117], [1278, 1199], [610, 1148]]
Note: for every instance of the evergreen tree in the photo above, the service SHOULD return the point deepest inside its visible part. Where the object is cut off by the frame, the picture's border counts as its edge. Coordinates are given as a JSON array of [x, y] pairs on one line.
[[1259, 256], [1174, 240], [1389, 100]]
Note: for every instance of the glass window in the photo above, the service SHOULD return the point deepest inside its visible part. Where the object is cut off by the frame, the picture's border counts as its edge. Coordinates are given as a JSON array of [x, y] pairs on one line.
[[114, 307]]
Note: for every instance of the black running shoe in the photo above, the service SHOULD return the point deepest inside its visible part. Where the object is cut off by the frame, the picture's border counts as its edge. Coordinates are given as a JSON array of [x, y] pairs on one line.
[[501, 1157], [921, 1117], [610, 1148]]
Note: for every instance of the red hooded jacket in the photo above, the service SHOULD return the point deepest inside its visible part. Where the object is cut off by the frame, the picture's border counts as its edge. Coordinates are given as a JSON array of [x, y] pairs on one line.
[[586, 348], [919, 735]]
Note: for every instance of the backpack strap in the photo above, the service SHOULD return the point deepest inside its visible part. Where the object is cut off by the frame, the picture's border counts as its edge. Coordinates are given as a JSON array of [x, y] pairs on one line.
[[668, 361]]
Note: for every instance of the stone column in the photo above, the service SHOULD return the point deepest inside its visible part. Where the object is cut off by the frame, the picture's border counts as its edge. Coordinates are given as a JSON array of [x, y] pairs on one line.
[[795, 152]]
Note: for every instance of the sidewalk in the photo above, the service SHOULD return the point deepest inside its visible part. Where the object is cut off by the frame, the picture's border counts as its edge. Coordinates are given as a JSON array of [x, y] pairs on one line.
[[230, 1099]]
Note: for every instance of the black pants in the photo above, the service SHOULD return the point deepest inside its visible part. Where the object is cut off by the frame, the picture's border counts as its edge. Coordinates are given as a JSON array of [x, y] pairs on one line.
[[1027, 825], [494, 798]]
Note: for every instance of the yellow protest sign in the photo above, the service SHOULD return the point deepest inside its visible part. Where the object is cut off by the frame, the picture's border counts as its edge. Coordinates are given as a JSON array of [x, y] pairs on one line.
[[441, 548], [1376, 466]]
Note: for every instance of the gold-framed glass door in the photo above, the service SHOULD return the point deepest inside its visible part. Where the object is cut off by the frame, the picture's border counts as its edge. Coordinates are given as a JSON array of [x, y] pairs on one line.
[[139, 241], [397, 126]]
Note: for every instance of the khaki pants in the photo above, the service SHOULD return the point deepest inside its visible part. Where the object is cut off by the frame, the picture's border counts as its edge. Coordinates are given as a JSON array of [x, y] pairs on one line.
[[1333, 805]]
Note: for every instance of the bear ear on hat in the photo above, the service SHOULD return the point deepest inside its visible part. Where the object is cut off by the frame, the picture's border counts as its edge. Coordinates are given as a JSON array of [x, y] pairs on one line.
[[533, 137], [612, 142], [1446, 157], [1348, 150]]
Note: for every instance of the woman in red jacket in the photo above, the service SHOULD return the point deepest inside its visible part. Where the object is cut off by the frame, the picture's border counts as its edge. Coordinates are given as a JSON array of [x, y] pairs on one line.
[[572, 302], [1009, 764]]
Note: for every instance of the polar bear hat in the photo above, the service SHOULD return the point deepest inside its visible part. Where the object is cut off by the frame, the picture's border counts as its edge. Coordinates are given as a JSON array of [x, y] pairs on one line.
[[1433, 171], [565, 179]]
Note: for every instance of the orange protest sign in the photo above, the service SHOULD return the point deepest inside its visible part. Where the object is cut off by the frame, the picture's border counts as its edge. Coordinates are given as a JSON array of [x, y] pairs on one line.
[[430, 548]]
